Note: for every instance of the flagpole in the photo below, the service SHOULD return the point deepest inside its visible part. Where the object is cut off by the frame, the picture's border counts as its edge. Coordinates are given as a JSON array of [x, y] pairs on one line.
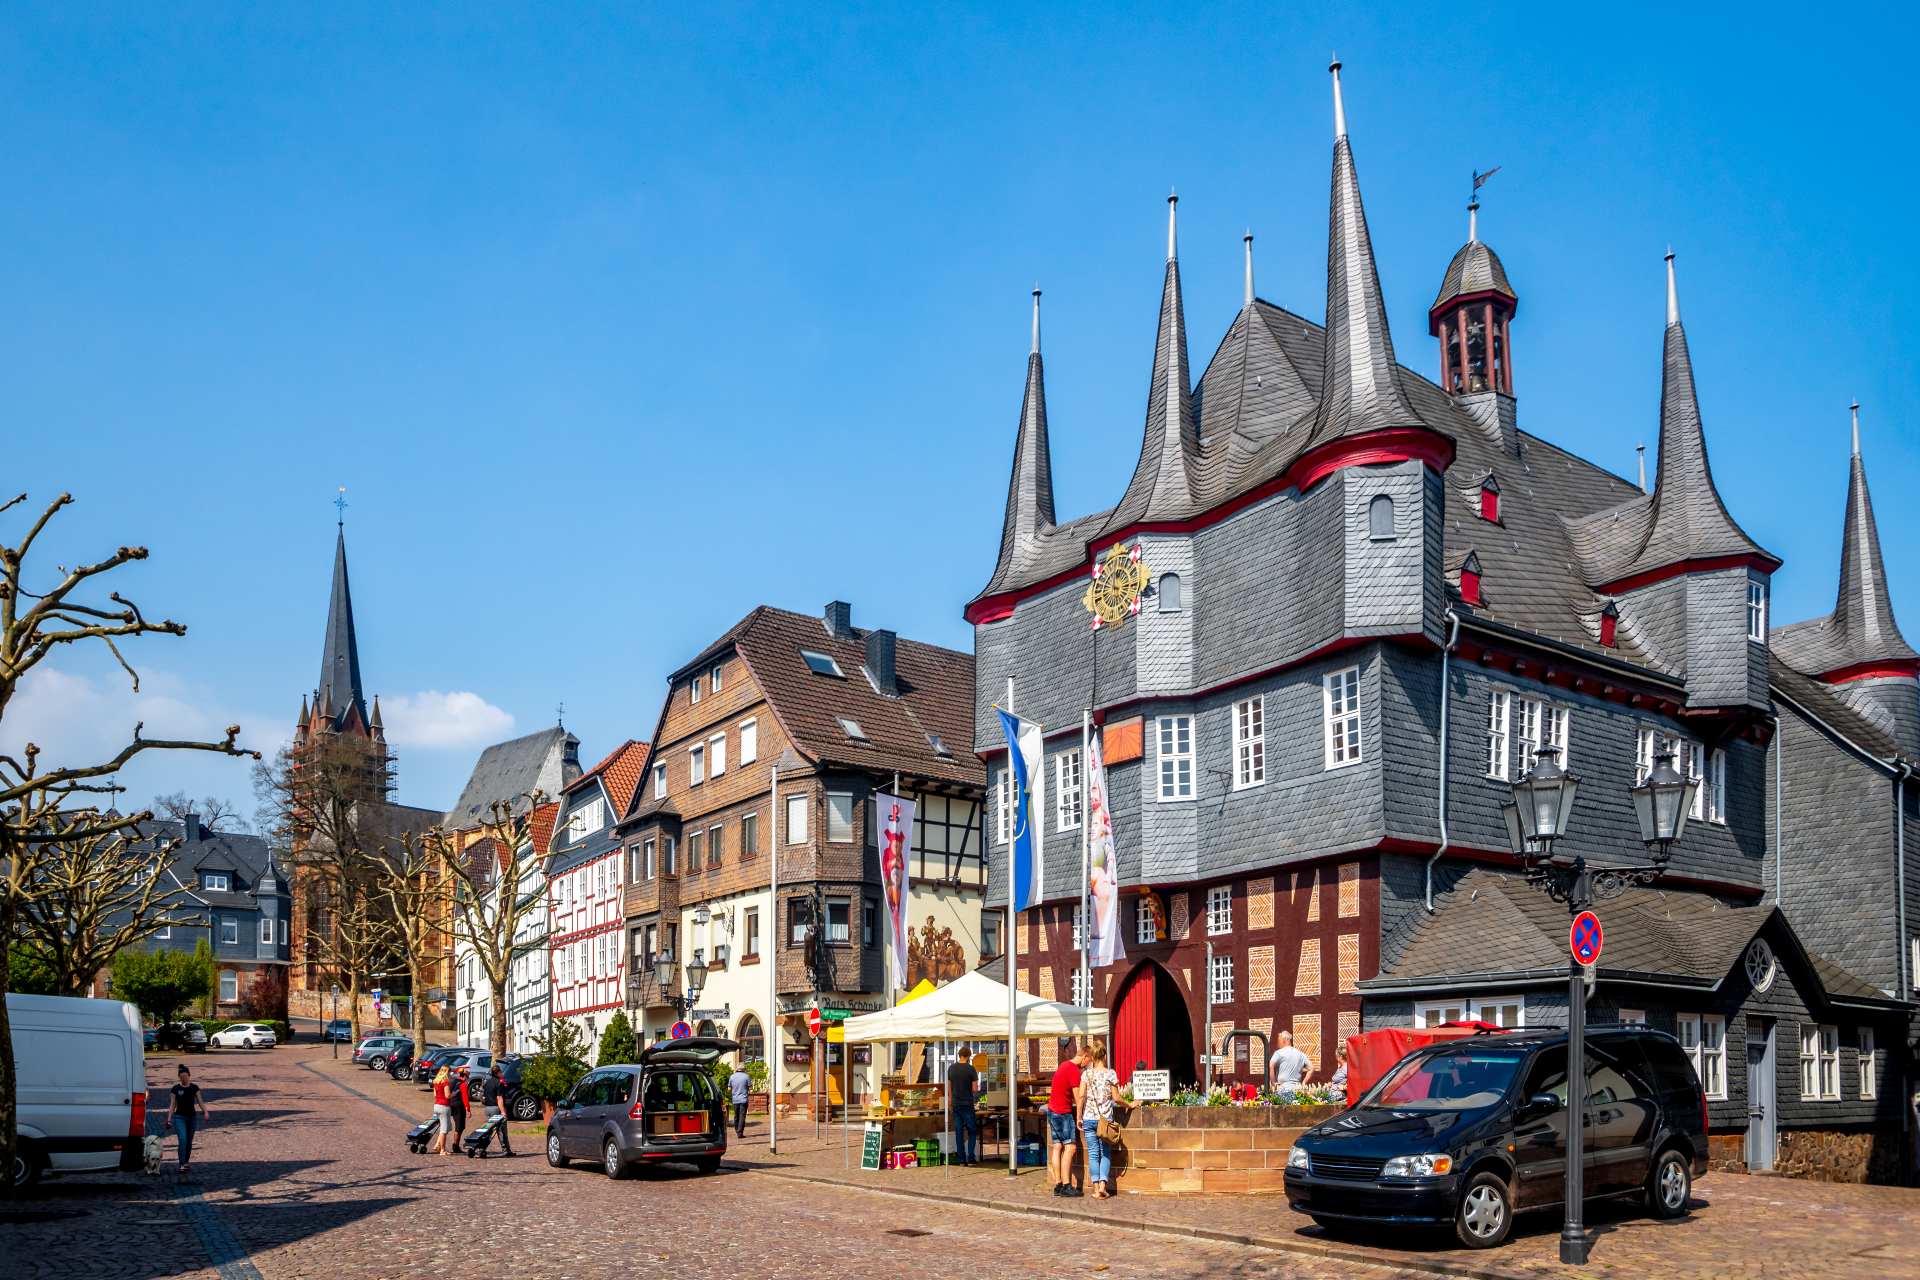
[[1086, 866], [773, 962], [1013, 971]]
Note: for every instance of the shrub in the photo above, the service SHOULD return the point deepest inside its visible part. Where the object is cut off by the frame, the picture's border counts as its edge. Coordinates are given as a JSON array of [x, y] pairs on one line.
[[265, 998], [756, 1075], [617, 1043], [558, 1061], [161, 983]]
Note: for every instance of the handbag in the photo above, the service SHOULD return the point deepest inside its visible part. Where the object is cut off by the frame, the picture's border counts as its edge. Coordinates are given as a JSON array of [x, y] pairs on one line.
[[1109, 1130]]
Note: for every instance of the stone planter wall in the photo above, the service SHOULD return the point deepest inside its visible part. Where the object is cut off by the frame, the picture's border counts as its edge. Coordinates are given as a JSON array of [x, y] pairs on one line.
[[1817, 1155], [1209, 1150]]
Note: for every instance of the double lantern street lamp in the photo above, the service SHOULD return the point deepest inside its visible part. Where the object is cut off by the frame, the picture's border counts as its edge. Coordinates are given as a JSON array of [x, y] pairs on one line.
[[1536, 817], [666, 968]]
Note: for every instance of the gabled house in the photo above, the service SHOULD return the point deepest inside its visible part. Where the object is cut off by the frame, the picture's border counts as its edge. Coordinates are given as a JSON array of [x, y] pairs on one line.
[[242, 901], [586, 886]]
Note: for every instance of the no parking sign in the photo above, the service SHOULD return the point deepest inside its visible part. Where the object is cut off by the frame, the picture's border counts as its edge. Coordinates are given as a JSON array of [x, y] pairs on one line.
[[1585, 938]]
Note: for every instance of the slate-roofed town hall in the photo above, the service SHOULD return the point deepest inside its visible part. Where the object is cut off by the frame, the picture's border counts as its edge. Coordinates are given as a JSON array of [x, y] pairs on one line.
[[1372, 598]]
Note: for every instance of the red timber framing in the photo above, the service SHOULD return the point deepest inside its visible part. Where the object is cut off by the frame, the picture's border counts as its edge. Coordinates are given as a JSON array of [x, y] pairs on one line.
[[1298, 940], [1873, 671]]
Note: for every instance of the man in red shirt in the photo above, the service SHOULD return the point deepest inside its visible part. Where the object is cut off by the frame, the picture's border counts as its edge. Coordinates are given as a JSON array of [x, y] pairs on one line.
[[1063, 1110]]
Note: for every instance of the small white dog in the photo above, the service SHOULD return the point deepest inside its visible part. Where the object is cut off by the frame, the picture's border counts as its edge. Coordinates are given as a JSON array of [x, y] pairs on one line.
[[154, 1151]]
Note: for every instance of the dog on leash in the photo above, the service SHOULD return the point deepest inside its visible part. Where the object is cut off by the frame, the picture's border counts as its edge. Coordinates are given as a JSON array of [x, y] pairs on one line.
[[153, 1151]]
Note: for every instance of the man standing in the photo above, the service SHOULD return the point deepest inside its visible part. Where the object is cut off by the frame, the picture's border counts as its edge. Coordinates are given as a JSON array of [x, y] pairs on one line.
[[492, 1097], [963, 1088], [739, 1088], [1063, 1126], [1289, 1068]]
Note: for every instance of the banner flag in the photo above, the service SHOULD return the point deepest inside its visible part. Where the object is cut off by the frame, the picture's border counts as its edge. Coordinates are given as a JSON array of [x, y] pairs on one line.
[[896, 849], [1025, 758], [1103, 888]]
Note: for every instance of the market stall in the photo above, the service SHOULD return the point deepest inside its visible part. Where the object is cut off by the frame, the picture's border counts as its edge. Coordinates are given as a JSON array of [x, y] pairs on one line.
[[971, 1009]]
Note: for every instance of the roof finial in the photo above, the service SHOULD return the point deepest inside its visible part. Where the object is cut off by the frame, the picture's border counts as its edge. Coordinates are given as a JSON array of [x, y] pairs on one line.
[[1641, 451], [1473, 220], [1673, 294], [1339, 107], [340, 506], [1173, 207], [1856, 428], [1247, 292], [1036, 319]]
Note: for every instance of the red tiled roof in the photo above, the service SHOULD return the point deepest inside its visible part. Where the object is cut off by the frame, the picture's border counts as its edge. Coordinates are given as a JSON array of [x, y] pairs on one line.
[[623, 768], [540, 827]]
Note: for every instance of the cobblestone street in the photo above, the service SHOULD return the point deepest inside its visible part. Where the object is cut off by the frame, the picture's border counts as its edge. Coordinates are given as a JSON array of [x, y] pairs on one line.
[[303, 1173]]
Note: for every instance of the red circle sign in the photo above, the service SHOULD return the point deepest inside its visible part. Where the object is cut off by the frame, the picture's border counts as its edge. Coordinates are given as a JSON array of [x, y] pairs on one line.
[[680, 1031], [813, 1020], [1585, 938]]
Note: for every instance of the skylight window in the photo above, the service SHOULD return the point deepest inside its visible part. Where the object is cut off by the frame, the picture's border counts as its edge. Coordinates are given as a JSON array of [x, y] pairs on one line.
[[853, 728], [822, 664], [939, 747]]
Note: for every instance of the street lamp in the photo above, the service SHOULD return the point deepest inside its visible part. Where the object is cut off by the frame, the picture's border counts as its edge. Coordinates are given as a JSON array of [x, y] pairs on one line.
[[334, 1016], [1536, 817], [665, 966]]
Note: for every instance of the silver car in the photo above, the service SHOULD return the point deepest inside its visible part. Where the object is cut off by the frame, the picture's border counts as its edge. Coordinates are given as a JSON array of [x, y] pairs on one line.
[[666, 1106]]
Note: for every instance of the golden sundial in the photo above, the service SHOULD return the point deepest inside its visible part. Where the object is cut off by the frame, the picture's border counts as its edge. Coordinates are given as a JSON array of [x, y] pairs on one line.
[[1118, 580]]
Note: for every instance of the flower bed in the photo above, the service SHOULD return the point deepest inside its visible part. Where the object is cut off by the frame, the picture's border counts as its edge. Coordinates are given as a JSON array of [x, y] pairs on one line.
[[1220, 1147]]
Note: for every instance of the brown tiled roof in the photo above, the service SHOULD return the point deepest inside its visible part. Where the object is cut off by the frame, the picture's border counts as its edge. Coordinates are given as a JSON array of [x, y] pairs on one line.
[[622, 768]]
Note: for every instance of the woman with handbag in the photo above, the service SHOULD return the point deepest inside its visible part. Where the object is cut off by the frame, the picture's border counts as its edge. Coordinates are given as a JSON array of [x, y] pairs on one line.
[[1098, 1084]]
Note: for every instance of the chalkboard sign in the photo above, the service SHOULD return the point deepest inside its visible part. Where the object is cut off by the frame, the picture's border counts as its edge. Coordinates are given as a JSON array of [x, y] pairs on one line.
[[1152, 1086], [870, 1146]]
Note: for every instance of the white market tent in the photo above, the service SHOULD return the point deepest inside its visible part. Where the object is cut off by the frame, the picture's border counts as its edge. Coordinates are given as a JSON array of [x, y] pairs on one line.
[[973, 1007]]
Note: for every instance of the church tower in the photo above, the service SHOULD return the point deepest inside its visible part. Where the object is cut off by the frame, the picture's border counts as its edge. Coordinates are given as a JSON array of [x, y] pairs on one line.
[[1472, 316]]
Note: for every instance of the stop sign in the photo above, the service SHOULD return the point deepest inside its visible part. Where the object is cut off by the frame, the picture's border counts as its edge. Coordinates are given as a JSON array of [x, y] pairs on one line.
[[813, 1021]]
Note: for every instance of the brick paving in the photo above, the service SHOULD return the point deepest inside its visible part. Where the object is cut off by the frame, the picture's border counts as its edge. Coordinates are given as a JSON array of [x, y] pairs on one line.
[[303, 1174]]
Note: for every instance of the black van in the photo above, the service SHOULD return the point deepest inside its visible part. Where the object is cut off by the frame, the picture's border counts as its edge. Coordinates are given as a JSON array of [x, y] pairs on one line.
[[1470, 1130], [666, 1106]]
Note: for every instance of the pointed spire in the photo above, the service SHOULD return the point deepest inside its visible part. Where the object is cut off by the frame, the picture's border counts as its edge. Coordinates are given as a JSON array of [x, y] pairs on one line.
[[375, 723], [1673, 293], [1160, 487], [1030, 489], [305, 714], [1173, 221], [1863, 610], [1246, 296], [1473, 220], [1855, 407], [1339, 104], [340, 690], [1359, 390]]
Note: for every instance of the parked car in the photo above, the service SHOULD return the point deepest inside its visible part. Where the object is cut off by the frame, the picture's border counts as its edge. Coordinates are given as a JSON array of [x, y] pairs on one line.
[[400, 1059], [376, 1051], [476, 1061], [150, 1037], [428, 1064], [1470, 1131], [520, 1105], [80, 1086], [663, 1107], [338, 1029], [244, 1035], [184, 1036]]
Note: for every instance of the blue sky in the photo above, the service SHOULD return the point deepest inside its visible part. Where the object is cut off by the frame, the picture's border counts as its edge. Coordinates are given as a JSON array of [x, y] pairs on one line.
[[616, 322]]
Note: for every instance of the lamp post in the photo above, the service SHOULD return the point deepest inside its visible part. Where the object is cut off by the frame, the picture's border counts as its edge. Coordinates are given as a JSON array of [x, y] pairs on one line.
[[333, 1016], [665, 967], [1536, 817]]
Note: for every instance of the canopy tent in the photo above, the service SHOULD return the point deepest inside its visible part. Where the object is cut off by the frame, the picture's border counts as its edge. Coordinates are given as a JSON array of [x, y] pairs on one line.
[[973, 1007]]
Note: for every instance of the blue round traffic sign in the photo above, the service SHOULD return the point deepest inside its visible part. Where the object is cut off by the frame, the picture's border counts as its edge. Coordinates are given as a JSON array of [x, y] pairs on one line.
[[681, 1031], [1586, 938]]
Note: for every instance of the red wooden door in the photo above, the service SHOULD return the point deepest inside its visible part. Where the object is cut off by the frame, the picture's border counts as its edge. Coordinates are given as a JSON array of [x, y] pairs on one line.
[[1133, 1024]]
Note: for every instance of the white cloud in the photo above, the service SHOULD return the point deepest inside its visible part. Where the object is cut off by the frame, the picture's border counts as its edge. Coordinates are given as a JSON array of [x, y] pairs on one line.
[[435, 719]]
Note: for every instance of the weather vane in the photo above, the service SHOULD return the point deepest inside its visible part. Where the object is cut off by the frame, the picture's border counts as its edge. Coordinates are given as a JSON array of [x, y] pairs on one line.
[[341, 504]]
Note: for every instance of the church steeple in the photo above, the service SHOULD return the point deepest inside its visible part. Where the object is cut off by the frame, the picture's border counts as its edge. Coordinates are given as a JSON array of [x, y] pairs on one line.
[[341, 697], [1030, 489], [1161, 487]]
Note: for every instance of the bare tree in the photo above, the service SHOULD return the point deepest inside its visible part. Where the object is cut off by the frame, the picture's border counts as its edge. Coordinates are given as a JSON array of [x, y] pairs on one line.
[[96, 891], [215, 814], [498, 892], [33, 624], [358, 941], [412, 888]]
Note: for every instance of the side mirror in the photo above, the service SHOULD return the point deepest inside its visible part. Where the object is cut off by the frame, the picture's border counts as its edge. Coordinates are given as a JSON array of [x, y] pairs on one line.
[[1539, 1104]]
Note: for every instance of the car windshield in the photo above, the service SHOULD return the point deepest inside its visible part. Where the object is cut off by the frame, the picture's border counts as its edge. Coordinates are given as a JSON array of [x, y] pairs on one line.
[[1447, 1081]]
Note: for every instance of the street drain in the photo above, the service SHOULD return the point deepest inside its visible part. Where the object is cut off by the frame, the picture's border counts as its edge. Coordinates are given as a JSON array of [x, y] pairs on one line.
[[909, 1232]]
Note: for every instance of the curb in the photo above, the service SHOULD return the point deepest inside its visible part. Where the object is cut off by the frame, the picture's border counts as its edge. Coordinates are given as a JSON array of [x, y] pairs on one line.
[[1276, 1244]]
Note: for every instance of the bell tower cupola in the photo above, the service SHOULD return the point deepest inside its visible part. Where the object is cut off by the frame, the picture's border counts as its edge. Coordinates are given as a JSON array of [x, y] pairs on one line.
[[1472, 317]]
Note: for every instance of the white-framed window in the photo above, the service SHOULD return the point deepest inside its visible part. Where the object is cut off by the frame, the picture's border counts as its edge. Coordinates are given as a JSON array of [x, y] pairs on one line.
[[1757, 611], [1688, 757], [650, 861], [1081, 985], [749, 834], [586, 819], [1002, 805], [1144, 930], [749, 741], [229, 929], [713, 679], [670, 856], [563, 966], [1066, 790], [1220, 979], [1219, 910], [1342, 697], [1174, 735], [266, 931], [1250, 742], [1913, 962], [1694, 764], [229, 985], [839, 816], [717, 753], [797, 819], [989, 933], [1830, 1062], [283, 930], [694, 689], [1499, 704], [1819, 1063], [164, 931], [837, 912], [216, 881], [1715, 787], [659, 781], [1632, 1017], [1704, 1037], [1506, 1012], [1869, 1076], [696, 766], [1079, 925]]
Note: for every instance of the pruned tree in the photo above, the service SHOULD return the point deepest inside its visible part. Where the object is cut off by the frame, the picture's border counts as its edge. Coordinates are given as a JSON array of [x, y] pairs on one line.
[[412, 886], [215, 813], [357, 939], [95, 892], [35, 623], [499, 899]]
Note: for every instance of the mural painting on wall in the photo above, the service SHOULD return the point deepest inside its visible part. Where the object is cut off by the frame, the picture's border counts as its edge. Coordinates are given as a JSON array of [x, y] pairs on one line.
[[935, 955]]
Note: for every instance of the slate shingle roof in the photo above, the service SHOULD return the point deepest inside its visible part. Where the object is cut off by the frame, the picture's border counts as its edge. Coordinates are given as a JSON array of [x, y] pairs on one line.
[[1161, 488], [545, 760], [1818, 699], [1475, 268], [339, 690], [1029, 518]]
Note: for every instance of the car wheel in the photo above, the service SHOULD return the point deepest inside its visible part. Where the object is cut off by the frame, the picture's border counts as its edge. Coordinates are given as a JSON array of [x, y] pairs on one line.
[[526, 1107], [377, 1063], [26, 1165], [554, 1157], [246, 1044], [1669, 1184], [1484, 1215], [707, 1164], [611, 1160]]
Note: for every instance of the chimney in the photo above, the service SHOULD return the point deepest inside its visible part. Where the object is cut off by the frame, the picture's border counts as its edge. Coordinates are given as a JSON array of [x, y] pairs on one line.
[[839, 620], [190, 828], [880, 666]]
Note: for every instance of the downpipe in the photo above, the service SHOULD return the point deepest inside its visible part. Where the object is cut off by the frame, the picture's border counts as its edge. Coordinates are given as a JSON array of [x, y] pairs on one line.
[[1903, 949], [1446, 698]]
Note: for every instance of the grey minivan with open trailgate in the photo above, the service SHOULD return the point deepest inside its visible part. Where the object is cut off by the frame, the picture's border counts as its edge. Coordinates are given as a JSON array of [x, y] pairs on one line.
[[665, 1106]]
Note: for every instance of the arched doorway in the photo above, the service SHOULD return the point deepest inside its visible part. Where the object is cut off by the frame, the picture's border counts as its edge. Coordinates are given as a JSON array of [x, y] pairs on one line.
[[1151, 1025], [753, 1042]]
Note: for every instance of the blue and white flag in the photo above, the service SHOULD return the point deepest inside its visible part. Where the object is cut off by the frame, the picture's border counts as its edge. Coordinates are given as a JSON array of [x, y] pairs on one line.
[[1025, 757]]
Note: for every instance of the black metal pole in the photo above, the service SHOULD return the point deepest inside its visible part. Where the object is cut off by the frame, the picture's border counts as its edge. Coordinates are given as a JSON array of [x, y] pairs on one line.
[[1573, 1233]]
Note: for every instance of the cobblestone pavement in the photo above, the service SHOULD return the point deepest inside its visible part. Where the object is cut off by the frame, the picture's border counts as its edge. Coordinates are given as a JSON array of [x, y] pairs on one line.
[[303, 1173]]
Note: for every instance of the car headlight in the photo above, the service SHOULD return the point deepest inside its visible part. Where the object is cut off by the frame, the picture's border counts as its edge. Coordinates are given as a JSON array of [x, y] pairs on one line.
[[1297, 1158], [1426, 1166]]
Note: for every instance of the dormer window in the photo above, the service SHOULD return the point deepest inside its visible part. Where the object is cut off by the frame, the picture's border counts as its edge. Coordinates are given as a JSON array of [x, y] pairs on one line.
[[822, 664], [1756, 611], [1609, 624], [215, 881], [1470, 579], [1490, 499], [1380, 518]]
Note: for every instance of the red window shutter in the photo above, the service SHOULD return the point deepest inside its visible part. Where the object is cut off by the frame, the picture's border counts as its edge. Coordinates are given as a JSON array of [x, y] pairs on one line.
[[1490, 504], [1470, 586]]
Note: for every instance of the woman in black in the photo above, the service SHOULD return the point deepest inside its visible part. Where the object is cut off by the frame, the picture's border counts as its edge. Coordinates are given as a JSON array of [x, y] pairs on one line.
[[457, 1108], [184, 1110]]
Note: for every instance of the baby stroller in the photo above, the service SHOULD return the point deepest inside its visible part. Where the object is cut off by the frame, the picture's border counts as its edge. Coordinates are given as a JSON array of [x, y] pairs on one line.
[[477, 1142], [422, 1134]]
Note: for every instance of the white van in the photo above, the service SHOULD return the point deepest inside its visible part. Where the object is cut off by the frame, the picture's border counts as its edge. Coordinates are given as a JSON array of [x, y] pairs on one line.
[[81, 1085]]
